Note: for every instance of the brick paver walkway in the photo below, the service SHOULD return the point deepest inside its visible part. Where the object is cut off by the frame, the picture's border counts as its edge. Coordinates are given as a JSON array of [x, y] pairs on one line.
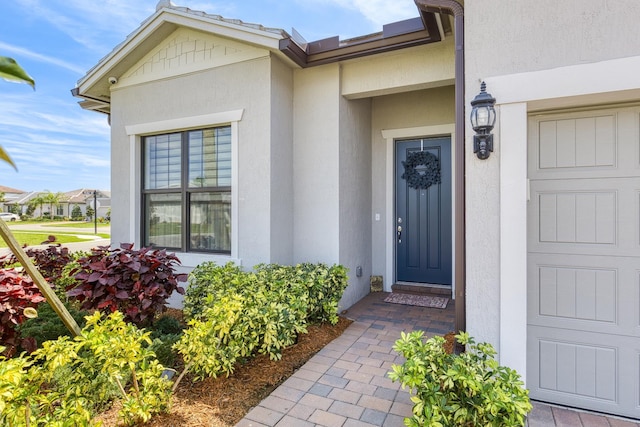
[[345, 384]]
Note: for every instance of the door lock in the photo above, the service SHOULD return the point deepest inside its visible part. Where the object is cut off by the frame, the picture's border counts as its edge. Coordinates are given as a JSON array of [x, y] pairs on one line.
[[399, 234]]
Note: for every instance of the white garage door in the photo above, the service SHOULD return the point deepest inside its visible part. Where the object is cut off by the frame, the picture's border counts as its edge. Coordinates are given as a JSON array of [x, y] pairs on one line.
[[583, 344]]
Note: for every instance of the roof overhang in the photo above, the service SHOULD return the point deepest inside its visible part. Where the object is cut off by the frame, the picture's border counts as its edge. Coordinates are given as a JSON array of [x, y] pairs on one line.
[[94, 87], [398, 35]]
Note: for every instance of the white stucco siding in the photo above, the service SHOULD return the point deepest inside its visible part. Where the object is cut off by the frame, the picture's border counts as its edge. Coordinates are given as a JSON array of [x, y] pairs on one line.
[[542, 55], [355, 196], [245, 86], [123, 157], [424, 108], [411, 69], [281, 163], [517, 36], [316, 130], [482, 217]]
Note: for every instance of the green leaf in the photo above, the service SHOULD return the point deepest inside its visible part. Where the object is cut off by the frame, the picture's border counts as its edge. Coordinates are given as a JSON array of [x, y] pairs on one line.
[[5, 157], [11, 71]]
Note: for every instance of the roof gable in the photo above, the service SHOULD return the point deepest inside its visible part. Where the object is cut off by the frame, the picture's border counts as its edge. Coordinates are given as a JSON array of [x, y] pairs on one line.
[[5, 190], [95, 86], [187, 51]]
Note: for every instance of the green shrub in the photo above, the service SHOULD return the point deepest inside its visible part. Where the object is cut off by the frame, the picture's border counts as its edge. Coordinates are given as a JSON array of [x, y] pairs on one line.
[[48, 325], [236, 327], [66, 381], [165, 332], [235, 314], [166, 325], [76, 213], [210, 279], [109, 357], [469, 389], [318, 286], [162, 347], [209, 347]]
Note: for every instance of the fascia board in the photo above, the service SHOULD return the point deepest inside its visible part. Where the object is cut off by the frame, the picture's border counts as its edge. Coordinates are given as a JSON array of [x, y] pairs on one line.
[[175, 18]]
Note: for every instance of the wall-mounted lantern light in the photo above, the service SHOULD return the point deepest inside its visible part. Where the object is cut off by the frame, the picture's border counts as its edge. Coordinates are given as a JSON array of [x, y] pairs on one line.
[[483, 117]]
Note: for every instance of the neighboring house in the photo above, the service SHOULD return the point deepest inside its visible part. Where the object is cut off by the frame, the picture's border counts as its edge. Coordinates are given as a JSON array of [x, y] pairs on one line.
[[23, 202], [10, 197], [235, 142], [84, 198]]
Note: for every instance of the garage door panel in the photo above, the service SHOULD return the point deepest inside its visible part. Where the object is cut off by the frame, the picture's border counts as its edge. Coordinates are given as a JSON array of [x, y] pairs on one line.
[[582, 142], [575, 368], [585, 370], [583, 334], [571, 292], [600, 144], [583, 216], [578, 293], [577, 217]]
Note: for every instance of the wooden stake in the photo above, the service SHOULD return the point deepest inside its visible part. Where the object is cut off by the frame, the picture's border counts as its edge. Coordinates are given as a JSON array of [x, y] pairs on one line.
[[40, 281]]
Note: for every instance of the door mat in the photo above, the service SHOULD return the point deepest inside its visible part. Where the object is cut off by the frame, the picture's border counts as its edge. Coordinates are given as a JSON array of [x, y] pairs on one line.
[[419, 300]]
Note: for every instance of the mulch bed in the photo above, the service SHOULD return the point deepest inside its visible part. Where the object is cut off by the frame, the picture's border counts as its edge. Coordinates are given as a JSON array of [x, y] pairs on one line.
[[223, 402]]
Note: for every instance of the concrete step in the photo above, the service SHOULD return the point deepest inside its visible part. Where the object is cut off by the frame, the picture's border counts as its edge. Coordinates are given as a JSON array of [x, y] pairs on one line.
[[422, 289]]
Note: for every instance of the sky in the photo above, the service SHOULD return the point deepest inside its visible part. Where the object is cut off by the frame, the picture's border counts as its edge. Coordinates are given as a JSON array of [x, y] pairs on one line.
[[58, 146]]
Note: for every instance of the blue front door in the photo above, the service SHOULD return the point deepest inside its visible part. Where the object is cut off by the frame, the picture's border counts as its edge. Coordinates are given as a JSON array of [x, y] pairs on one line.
[[423, 210]]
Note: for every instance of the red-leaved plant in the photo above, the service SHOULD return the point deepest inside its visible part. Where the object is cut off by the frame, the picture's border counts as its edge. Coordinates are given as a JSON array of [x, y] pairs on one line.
[[50, 261], [17, 292], [135, 282]]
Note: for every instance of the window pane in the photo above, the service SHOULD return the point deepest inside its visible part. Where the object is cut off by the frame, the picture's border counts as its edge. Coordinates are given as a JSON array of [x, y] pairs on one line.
[[164, 220], [211, 221], [210, 157], [162, 161]]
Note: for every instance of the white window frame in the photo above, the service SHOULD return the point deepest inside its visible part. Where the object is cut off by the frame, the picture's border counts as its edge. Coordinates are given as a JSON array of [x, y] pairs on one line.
[[136, 132]]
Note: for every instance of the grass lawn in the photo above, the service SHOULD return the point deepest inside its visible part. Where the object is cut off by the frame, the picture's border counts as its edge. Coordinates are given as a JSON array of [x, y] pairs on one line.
[[79, 224], [58, 223], [36, 238]]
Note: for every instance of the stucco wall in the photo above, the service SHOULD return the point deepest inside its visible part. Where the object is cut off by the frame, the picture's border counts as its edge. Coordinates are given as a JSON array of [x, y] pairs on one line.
[[281, 115], [406, 110], [522, 35], [509, 39], [244, 85], [415, 68], [355, 196], [315, 164]]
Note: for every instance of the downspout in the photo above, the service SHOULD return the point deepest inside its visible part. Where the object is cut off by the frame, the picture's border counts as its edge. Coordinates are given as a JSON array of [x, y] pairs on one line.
[[452, 7]]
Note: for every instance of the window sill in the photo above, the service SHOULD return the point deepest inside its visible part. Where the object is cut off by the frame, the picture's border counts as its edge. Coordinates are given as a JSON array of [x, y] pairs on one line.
[[191, 260]]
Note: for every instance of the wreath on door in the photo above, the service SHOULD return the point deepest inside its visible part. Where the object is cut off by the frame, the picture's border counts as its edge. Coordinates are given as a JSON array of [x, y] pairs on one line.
[[421, 170]]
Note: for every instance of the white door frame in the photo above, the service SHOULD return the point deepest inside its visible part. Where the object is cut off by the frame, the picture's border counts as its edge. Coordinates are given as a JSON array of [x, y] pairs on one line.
[[390, 136]]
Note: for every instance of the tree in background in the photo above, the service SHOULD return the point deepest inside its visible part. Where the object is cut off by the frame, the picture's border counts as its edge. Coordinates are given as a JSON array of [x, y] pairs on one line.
[[11, 71], [90, 212], [37, 202], [76, 213], [53, 199]]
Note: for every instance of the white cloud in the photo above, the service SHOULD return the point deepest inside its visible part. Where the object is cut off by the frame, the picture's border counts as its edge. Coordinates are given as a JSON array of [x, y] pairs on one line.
[[39, 115], [379, 12], [26, 53], [87, 22]]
